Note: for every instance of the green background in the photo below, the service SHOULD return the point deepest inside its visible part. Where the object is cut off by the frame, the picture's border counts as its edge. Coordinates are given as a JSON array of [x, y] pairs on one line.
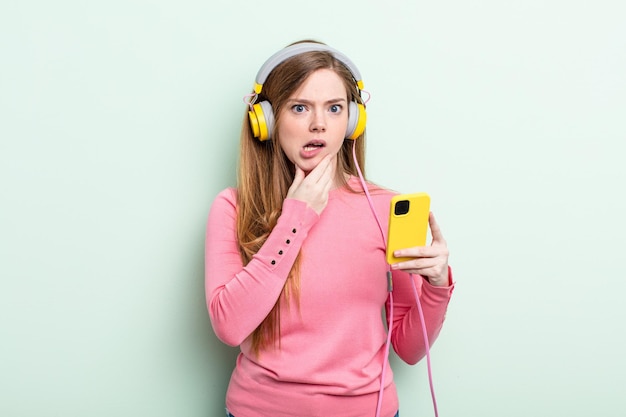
[[119, 123]]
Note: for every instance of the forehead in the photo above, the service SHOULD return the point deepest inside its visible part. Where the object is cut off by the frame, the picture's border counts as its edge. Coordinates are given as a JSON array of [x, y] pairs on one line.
[[322, 83]]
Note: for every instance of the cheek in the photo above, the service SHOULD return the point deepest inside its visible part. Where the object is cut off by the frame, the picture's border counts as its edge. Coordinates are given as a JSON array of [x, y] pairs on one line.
[[289, 129], [286, 145], [289, 154]]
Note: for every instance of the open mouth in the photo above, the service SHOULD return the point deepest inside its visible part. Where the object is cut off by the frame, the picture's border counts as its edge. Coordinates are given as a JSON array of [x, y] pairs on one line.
[[315, 144]]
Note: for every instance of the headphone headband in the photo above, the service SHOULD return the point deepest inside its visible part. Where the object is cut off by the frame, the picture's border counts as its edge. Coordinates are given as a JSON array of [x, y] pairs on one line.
[[298, 49]]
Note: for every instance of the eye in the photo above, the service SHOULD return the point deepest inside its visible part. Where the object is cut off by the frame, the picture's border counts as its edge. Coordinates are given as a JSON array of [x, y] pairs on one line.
[[335, 108], [298, 108]]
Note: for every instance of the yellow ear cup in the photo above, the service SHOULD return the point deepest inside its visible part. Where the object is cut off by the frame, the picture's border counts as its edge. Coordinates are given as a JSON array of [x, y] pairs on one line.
[[254, 123], [261, 120], [356, 120]]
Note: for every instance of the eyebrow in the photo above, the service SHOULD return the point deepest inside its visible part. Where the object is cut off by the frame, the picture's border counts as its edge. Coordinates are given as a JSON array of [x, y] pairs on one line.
[[331, 101]]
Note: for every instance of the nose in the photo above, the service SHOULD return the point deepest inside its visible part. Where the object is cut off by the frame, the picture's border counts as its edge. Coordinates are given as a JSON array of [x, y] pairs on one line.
[[318, 121]]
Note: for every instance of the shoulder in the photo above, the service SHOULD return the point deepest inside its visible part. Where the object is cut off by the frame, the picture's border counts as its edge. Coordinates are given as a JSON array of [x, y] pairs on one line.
[[224, 202], [227, 195], [379, 196], [375, 190], [379, 190]]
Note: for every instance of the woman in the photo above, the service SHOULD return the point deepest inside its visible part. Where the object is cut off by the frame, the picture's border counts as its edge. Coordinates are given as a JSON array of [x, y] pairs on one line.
[[295, 255]]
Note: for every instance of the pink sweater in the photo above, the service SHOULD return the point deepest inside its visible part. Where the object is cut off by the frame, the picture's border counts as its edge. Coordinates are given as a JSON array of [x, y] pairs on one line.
[[332, 346]]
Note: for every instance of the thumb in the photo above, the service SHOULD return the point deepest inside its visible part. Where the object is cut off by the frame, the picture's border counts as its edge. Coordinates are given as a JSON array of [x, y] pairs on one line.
[[297, 179], [435, 230]]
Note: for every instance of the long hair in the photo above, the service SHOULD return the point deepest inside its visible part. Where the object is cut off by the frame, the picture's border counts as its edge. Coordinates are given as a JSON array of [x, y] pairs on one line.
[[265, 175]]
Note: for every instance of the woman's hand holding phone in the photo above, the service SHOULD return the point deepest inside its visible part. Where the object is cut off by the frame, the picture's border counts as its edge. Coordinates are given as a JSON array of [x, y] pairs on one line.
[[431, 261]]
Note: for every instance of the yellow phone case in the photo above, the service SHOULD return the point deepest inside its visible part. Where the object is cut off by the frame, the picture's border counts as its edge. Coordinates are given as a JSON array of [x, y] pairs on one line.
[[408, 223]]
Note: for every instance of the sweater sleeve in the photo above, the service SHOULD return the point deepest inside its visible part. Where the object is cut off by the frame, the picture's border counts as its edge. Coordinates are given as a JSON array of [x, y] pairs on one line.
[[240, 297], [407, 334]]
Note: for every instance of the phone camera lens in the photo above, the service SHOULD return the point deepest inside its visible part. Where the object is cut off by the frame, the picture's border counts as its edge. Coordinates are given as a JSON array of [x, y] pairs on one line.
[[401, 207]]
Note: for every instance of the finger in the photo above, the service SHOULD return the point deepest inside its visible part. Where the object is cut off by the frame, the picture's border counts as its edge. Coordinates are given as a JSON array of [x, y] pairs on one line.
[[327, 185], [299, 176], [435, 230], [320, 170], [432, 268], [417, 252], [426, 271], [328, 176], [418, 264], [297, 179], [436, 277]]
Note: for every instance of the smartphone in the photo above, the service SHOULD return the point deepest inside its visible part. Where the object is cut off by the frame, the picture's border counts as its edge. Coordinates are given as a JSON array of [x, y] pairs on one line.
[[408, 223]]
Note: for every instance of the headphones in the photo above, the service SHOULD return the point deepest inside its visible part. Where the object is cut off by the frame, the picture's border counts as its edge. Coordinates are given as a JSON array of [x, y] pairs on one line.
[[261, 115]]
